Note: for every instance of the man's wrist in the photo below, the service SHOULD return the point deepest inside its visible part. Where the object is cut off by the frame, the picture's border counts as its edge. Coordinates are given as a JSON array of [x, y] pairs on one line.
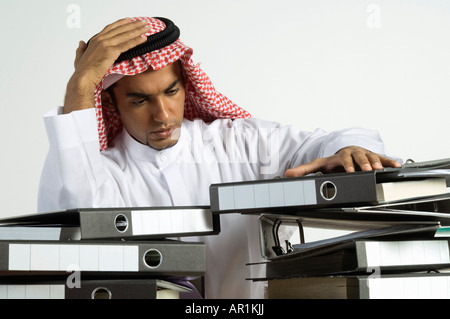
[[79, 94]]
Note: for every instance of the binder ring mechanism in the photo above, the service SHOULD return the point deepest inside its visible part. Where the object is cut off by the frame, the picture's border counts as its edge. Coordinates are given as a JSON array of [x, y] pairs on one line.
[[328, 190], [121, 223], [101, 293], [152, 258]]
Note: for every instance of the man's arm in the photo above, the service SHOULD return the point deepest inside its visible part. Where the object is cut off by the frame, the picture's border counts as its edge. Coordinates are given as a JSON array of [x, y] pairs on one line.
[[345, 159], [93, 61]]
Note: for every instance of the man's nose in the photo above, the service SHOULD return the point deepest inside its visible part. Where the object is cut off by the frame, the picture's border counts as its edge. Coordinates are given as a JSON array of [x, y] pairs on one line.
[[161, 111]]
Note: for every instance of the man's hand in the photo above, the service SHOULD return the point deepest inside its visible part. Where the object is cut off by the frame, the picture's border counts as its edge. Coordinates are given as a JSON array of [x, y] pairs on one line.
[[93, 61], [347, 159]]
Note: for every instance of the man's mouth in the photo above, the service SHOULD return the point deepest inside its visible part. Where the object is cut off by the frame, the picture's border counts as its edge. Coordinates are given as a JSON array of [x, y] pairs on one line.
[[163, 133]]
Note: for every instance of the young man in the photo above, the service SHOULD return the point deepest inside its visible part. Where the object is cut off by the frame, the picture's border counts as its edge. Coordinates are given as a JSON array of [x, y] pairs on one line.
[[143, 126]]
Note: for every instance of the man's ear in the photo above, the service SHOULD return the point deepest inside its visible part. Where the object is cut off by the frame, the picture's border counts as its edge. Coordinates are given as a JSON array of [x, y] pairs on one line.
[[109, 101]]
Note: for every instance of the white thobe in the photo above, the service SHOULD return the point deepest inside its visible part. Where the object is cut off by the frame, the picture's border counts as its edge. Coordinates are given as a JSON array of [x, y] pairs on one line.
[[77, 174]]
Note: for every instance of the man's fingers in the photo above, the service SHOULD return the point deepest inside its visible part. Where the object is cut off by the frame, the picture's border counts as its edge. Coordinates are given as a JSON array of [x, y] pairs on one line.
[[116, 24], [363, 159], [80, 51], [296, 171], [105, 47], [388, 162], [120, 35], [305, 169], [360, 158], [131, 43], [374, 160], [118, 27], [111, 44], [347, 163], [367, 160], [348, 159]]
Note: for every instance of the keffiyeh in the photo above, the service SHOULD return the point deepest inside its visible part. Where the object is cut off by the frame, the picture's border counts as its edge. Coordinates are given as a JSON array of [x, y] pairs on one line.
[[202, 100]]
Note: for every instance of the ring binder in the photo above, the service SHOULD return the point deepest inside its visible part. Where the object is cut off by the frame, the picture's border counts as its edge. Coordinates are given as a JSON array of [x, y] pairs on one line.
[[136, 223], [388, 185], [109, 288], [155, 258]]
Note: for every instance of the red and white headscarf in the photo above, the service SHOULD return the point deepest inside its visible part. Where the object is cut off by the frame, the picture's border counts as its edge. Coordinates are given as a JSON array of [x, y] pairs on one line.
[[202, 100]]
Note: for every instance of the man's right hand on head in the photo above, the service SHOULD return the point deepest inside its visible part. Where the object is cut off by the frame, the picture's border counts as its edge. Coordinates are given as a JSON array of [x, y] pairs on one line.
[[93, 62]]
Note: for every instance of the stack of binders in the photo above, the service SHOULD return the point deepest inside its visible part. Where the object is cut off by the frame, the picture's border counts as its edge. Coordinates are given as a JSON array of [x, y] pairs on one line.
[[395, 241], [105, 253]]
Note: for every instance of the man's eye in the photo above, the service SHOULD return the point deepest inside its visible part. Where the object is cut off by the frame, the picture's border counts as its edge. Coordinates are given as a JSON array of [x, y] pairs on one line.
[[139, 102], [172, 91]]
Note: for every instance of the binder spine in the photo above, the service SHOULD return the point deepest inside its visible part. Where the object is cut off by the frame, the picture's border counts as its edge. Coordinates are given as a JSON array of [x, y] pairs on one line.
[[158, 258], [85, 289], [294, 193], [106, 224], [148, 223]]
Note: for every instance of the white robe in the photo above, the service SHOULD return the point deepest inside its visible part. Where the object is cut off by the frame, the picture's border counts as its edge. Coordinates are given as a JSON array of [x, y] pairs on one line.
[[76, 174]]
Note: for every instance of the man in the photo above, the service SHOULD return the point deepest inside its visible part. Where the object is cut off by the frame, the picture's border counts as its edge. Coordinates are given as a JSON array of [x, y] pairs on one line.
[[130, 134]]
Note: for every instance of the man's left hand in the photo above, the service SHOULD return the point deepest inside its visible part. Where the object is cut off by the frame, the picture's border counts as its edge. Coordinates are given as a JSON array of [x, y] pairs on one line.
[[348, 159]]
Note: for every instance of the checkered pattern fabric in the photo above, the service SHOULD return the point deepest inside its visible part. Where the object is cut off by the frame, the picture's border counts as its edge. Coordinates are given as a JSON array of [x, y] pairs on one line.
[[202, 100]]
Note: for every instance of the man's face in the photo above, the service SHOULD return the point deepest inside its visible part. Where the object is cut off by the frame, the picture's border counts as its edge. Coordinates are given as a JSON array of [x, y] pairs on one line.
[[151, 105]]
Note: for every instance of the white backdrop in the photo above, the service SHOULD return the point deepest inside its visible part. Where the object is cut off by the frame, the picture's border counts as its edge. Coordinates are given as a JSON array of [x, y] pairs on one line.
[[325, 63]]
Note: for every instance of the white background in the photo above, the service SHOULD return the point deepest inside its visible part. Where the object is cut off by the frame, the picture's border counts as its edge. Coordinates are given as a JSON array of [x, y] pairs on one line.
[[382, 65]]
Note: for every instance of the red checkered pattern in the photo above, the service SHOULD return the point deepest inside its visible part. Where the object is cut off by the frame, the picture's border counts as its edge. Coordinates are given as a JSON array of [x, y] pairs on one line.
[[202, 100]]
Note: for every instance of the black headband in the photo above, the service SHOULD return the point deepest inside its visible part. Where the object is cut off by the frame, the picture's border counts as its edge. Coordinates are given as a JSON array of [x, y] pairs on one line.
[[154, 42]]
